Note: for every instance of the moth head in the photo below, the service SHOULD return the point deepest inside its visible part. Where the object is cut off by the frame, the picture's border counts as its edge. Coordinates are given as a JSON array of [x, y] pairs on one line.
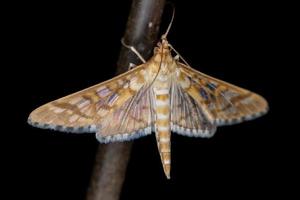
[[162, 46], [164, 43]]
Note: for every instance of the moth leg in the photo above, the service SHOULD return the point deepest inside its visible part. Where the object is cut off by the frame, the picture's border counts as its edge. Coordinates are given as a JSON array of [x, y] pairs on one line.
[[177, 57], [133, 50], [131, 66]]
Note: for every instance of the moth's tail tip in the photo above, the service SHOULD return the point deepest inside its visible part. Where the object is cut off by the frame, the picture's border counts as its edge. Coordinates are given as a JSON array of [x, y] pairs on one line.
[[168, 176]]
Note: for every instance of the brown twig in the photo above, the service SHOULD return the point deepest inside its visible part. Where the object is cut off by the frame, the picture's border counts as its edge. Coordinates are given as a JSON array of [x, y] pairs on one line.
[[111, 159]]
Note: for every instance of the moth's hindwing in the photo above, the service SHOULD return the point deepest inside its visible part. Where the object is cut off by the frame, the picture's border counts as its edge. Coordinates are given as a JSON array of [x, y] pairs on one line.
[[187, 117], [131, 120]]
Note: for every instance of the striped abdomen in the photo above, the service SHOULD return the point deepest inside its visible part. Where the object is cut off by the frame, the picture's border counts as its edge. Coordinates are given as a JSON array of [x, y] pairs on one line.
[[162, 124]]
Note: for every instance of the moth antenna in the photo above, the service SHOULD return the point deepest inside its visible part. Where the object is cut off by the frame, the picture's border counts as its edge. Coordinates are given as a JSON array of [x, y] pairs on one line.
[[185, 62], [164, 36]]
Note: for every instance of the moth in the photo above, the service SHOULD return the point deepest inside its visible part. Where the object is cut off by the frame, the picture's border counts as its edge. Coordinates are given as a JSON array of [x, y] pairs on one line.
[[162, 95]]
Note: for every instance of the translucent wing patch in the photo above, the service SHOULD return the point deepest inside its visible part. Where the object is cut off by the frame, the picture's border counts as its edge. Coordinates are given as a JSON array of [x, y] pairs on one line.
[[222, 102], [187, 117], [79, 112], [132, 120]]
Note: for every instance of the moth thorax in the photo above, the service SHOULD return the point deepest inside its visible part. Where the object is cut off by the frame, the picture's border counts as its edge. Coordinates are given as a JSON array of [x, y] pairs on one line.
[[163, 58]]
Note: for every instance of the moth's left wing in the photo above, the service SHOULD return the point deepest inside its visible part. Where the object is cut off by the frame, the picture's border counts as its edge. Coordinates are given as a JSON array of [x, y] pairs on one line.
[[80, 112], [223, 103]]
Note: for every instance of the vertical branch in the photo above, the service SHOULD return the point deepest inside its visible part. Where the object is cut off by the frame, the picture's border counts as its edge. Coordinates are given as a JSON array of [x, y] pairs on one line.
[[111, 159], [141, 31]]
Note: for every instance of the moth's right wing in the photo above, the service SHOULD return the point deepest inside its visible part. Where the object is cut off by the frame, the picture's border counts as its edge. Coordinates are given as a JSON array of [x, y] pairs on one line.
[[81, 111], [222, 102]]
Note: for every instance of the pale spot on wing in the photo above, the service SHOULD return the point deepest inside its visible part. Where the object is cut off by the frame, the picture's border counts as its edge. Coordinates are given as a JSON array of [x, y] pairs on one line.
[[103, 91], [120, 82], [83, 103], [52, 108], [143, 72], [102, 112], [230, 94], [85, 109], [247, 100], [211, 106], [92, 97], [69, 112], [57, 110], [136, 82], [84, 120], [89, 112], [75, 100], [50, 121], [185, 82], [73, 118]]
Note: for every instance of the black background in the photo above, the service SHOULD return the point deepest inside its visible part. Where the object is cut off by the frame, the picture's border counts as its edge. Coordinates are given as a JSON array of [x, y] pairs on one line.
[[60, 48]]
